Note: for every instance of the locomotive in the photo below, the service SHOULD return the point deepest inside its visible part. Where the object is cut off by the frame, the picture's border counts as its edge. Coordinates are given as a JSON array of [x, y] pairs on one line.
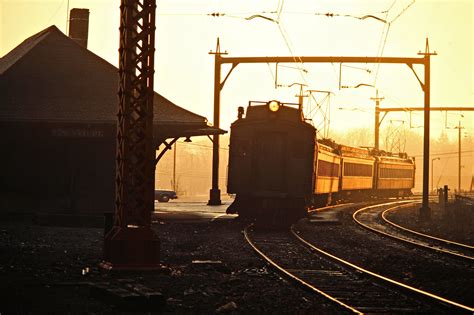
[[278, 169]]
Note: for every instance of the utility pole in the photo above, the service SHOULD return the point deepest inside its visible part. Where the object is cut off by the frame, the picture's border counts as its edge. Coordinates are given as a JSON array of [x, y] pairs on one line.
[[131, 244], [300, 96], [377, 100], [459, 155], [425, 211], [432, 171], [300, 99]]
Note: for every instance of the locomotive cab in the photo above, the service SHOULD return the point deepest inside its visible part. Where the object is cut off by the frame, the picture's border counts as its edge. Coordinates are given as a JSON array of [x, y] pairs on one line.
[[270, 160]]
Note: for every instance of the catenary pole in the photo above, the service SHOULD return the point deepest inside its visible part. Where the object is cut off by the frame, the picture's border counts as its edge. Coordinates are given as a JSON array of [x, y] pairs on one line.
[[215, 193]]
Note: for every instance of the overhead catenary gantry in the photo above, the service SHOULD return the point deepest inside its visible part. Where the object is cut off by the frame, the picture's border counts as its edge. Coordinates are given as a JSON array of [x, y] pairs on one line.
[[424, 60], [386, 110]]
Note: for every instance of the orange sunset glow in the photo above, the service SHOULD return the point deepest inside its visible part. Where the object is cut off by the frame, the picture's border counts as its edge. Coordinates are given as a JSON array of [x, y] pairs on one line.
[[187, 30]]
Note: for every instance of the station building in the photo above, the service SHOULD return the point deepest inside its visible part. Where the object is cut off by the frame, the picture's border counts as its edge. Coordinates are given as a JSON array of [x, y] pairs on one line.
[[58, 107]]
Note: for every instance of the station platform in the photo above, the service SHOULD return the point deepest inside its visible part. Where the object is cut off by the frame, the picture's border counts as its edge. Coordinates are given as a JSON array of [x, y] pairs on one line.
[[192, 209]]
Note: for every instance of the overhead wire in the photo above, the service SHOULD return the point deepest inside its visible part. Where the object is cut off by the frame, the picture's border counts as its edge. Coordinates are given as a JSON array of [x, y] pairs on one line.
[[311, 112], [445, 153], [386, 31], [297, 60], [56, 11], [302, 74], [364, 17], [403, 11], [271, 72], [286, 37], [279, 10], [382, 43], [442, 171], [283, 33], [290, 46], [380, 53], [218, 23], [390, 8]]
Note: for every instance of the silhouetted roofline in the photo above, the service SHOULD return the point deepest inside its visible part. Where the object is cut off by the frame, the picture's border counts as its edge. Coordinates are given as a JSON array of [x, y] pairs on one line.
[[165, 111], [24, 48]]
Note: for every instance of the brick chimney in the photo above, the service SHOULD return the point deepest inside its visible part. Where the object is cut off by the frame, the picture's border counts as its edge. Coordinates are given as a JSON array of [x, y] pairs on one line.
[[79, 26]]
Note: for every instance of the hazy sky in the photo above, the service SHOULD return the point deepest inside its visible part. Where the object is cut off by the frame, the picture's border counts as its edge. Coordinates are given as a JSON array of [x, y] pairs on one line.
[[186, 33]]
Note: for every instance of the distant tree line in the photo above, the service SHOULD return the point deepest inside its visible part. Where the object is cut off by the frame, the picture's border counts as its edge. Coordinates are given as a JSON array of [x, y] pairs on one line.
[[194, 160]]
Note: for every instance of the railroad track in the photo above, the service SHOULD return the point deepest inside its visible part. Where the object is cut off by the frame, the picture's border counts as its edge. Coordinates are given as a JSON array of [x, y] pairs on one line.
[[465, 198], [375, 219], [350, 287]]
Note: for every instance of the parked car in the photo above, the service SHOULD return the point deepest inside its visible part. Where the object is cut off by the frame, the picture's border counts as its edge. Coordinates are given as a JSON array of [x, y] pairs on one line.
[[163, 195]]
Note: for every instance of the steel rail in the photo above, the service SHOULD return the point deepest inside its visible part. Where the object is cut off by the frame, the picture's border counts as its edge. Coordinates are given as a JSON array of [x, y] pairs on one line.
[[315, 210], [352, 204], [386, 279], [384, 217], [406, 240], [294, 278]]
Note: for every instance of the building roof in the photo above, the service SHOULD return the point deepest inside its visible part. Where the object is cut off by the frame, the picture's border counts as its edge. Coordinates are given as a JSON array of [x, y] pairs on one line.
[[51, 78]]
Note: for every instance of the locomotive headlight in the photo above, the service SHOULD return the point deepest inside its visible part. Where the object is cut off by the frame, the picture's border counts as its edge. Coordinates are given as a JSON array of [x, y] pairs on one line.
[[274, 106]]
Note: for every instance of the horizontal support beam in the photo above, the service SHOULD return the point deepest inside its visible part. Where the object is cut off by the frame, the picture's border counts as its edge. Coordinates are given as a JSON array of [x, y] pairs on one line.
[[413, 109], [335, 59]]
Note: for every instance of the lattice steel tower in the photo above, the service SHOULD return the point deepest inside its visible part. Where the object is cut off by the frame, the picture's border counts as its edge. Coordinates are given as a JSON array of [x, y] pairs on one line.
[[132, 244]]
